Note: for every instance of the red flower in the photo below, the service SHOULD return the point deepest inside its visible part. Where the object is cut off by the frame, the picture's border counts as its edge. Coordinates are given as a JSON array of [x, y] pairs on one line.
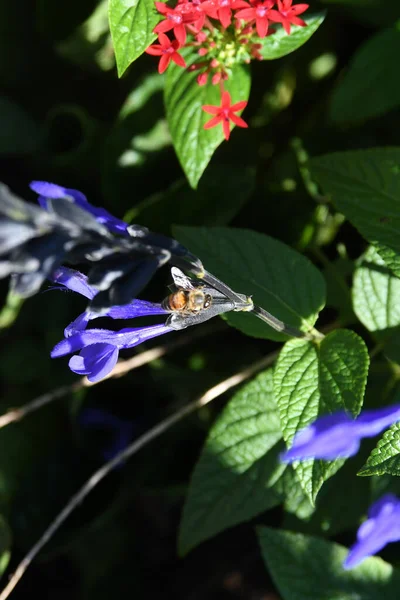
[[167, 50], [287, 14], [175, 19], [222, 9], [225, 113], [259, 13]]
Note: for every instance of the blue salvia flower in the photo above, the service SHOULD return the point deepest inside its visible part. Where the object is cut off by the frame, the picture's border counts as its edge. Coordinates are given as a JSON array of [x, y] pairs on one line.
[[381, 528], [34, 241], [338, 435], [99, 348]]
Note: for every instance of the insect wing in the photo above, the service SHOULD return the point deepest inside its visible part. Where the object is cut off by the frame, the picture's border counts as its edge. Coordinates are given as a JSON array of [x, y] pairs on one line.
[[181, 280]]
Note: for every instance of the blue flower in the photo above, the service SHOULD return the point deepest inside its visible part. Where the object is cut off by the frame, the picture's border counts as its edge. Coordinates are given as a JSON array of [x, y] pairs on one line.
[[381, 528], [339, 435], [52, 191], [78, 282], [99, 348]]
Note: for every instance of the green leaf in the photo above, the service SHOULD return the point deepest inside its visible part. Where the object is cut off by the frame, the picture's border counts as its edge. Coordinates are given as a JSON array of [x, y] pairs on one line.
[[385, 458], [365, 186], [131, 24], [376, 293], [311, 381], [280, 279], [19, 132], [308, 568], [371, 85], [184, 98], [391, 258], [280, 43], [234, 477]]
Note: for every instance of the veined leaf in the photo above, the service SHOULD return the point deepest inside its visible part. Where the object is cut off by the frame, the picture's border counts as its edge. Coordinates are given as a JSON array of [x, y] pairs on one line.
[[280, 43], [131, 25], [371, 85], [311, 381], [365, 186], [184, 98], [308, 568], [280, 279], [385, 458], [238, 467], [376, 293]]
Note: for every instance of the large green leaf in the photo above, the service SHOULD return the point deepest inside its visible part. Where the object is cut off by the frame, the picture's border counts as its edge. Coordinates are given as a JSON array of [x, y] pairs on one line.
[[376, 293], [371, 85], [385, 458], [184, 98], [308, 568], [365, 186], [131, 24], [310, 381], [280, 279], [280, 43], [233, 480]]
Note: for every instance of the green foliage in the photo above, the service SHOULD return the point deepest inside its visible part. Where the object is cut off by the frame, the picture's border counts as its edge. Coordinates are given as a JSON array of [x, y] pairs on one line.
[[385, 458], [131, 24], [310, 381], [237, 471], [371, 85], [364, 186], [280, 43], [308, 568], [184, 98], [279, 279]]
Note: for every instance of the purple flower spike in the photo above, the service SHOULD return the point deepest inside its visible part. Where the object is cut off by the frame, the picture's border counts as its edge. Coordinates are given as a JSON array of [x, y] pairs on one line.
[[52, 191], [381, 528], [339, 435], [77, 282], [99, 348]]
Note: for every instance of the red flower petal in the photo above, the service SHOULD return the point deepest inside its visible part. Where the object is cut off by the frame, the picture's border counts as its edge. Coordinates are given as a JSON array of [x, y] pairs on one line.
[[163, 26], [239, 106], [238, 120], [212, 122], [178, 59], [155, 50], [209, 108], [180, 34], [225, 16], [226, 128], [262, 26], [164, 62], [164, 40]]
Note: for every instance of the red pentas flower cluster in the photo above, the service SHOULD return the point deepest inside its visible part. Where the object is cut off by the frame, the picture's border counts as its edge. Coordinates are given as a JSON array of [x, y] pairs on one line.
[[222, 33]]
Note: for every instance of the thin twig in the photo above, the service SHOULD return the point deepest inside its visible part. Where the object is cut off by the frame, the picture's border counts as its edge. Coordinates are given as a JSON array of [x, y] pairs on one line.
[[142, 441], [120, 369]]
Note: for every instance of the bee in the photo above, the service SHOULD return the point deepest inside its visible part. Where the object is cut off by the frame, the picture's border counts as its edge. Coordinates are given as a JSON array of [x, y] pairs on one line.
[[187, 299]]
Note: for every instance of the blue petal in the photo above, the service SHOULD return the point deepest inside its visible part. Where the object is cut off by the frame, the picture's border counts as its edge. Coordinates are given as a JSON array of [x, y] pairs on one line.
[[73, 280], [95, 361], [339, 435], [125, 338], [382, 527], [47, 190]]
